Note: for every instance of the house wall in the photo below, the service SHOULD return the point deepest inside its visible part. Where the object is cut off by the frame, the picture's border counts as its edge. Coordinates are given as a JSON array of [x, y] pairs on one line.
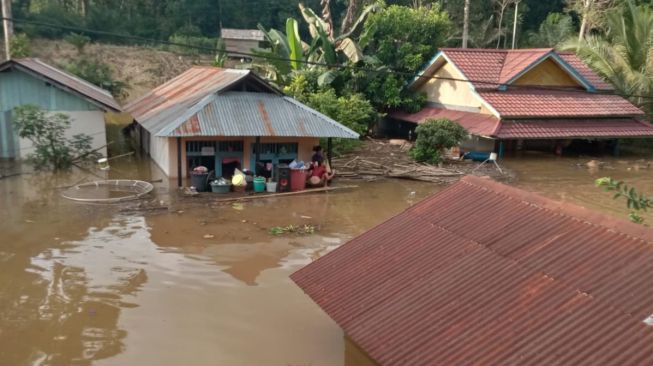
[[240, 45], [163, 150], [450, 93], [87, 122], [547, 73], [19, 88]]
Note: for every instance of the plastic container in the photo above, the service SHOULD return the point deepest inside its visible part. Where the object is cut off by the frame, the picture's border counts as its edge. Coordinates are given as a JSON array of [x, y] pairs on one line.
[[297, 179], [271, 187], [259, 184], [200, 181], [220, 188]]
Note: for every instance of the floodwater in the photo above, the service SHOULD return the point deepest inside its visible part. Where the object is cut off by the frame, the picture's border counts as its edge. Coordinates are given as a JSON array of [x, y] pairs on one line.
[[198, 283]]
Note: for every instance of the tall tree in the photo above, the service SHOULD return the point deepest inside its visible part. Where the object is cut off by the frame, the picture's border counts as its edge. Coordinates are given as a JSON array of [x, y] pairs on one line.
[[502, 6], [466, 24], [591, 13]]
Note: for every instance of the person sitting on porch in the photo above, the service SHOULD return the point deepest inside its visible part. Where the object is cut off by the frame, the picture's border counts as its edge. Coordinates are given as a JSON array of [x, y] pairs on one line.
[[320, 174]]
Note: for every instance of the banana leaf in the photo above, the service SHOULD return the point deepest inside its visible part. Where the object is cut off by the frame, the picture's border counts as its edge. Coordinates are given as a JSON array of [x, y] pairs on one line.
[[294, 44]]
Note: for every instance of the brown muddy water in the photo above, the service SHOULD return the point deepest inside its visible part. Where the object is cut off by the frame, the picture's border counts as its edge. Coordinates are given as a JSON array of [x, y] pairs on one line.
[[202, 284]]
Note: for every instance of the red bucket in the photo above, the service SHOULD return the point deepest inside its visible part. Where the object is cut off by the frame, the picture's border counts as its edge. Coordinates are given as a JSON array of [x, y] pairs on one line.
[[297, 179]]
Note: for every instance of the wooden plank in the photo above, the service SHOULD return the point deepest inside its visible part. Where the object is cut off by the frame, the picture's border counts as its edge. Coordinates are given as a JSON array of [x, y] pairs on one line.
[[284, 194]]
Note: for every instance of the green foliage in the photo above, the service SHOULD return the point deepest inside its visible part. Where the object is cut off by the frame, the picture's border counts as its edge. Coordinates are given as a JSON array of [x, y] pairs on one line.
[[20, 46], [635, 200], [622, 54], [78, 40], [434, 135], [405, 38], [305, 229], [221, 56], [556, 28], [402, 39], [98, 73], [353, 111], [47, 132]]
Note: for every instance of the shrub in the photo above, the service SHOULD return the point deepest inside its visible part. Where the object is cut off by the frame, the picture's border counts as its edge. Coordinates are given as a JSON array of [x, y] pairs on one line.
[[47, 132], [98, 73], [196, 45], [20, 46], [433, 136], [78, 40]]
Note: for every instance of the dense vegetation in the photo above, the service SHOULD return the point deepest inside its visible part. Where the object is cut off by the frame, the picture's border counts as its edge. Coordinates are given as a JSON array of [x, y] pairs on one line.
[[357, 54]]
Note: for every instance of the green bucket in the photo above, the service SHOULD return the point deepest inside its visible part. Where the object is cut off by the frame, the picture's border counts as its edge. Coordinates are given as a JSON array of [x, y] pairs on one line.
[[259, 184]]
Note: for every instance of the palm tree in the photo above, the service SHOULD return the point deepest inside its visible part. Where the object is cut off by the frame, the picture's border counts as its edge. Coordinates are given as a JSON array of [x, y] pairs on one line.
[[623, 54]]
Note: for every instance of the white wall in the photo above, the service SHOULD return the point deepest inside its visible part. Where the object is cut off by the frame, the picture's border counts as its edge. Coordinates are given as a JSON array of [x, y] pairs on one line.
[[161, 149], [88, 122]]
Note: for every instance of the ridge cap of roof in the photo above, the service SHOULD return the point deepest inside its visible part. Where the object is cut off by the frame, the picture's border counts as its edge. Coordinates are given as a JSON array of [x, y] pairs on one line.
[[570, 210], [494, 50]]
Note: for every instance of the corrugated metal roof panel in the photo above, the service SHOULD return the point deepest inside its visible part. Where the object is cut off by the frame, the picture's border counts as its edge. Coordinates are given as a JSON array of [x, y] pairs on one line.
[[257, 114], [170, 102], [482, 273], [95, 94]]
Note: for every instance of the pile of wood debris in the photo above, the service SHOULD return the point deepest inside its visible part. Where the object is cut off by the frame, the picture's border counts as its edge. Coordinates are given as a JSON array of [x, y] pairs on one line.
[[389, 158]]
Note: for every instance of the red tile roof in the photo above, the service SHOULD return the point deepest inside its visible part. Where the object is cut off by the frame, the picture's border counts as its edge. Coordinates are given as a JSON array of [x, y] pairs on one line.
[[475, 123], [585, 71], [487, 125], [553, 103], [487, 68], [485, 274], [573, 128], [518, 60]]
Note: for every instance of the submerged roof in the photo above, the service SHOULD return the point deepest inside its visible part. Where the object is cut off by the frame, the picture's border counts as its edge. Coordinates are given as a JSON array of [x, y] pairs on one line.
[[486, 274], [535, 128], [236, 113], [65, 81], [573, 128], [202, 102], [475, 123], [243, 34]]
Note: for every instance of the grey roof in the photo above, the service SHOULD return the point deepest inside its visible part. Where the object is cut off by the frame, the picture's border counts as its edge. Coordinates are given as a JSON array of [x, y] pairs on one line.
[[236, 113], [65, 81], [168, 103], [244, 34]]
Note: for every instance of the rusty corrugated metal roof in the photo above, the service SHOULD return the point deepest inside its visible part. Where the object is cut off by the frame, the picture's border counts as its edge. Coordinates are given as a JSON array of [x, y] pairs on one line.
[[93, 93], [170, 102], [485, 274], [236, 113]]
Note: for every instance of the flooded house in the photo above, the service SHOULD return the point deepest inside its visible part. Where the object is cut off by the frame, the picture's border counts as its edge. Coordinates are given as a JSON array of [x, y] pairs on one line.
[[508, 100], [486, 274], [225, 119], [32, 81]]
